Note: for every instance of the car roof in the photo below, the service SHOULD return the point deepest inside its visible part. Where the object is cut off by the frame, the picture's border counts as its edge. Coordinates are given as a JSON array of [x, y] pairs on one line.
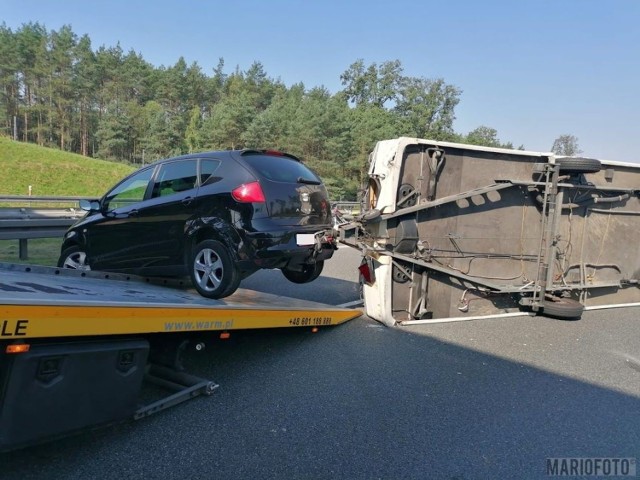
[[218, 154]]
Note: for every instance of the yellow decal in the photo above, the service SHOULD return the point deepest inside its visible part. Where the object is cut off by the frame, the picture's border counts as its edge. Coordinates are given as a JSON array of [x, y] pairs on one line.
[[41, 321]]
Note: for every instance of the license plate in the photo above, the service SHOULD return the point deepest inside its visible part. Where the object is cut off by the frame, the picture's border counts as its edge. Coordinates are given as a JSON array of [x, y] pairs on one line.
[[305, 239]]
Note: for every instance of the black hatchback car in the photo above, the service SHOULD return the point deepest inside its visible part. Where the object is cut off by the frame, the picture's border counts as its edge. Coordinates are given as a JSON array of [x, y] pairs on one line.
[[217, 217]]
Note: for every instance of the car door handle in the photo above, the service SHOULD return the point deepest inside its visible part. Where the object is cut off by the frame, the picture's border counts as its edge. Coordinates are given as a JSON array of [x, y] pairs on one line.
[[134, 213], [187, 200]]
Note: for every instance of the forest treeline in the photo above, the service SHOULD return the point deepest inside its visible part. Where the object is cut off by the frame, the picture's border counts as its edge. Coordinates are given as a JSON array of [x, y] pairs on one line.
[[56, 90]]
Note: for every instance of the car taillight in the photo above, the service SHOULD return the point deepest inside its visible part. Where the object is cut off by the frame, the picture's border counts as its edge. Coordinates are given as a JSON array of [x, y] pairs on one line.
[[275, 153], [248, 193]]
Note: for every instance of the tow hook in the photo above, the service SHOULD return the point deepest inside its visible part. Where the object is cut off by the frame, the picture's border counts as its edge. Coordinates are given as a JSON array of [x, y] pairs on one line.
[[323, 240]]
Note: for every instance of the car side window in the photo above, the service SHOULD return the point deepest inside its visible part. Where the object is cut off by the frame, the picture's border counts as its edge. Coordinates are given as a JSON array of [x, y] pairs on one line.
[[130, 191], [207, 167], [175, 177]]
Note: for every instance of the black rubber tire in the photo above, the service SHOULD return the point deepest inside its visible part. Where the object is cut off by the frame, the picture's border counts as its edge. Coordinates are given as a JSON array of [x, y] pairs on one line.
[[563, 308], [579, 165], [212, 271], [74, 258], [308, 274]]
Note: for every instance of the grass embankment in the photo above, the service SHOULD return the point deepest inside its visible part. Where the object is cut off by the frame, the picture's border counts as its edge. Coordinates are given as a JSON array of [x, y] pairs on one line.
[[54, 172], [41, 251], [50, 172]]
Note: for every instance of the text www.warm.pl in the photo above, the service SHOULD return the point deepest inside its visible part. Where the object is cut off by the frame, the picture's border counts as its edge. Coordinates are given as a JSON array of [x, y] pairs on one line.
[[184, 326]]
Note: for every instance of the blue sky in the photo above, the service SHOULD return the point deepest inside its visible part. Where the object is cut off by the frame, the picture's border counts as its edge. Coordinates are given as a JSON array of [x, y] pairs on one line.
[[533, 70]]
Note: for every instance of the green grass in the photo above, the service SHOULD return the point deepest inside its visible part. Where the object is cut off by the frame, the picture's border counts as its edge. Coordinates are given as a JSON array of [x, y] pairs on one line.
[[41, 251], [52, 172]]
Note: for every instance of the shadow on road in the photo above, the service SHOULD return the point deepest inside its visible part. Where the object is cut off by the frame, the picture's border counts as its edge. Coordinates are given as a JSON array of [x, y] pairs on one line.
[[324, 289], [354, 401]]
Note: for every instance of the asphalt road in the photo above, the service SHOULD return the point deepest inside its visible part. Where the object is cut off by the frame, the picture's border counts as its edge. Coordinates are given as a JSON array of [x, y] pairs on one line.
[[481, 399], [337, 284]]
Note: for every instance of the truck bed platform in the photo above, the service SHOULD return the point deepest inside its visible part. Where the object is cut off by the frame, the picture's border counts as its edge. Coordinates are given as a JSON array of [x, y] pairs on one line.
[[44, 302]]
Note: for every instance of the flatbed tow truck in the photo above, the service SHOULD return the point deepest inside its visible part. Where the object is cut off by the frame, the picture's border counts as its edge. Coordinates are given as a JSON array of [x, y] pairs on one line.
[[76, 346]]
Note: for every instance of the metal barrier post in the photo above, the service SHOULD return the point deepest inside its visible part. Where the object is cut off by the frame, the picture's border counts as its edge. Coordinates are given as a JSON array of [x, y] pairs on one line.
[[23, 249]]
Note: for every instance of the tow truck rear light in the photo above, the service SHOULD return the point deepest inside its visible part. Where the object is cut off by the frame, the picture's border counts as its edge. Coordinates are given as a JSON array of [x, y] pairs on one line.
[[18, 348], [249, 193]]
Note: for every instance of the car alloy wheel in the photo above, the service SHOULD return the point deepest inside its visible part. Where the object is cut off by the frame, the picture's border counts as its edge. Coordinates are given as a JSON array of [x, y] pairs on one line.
[[213, 273], [74, 258]]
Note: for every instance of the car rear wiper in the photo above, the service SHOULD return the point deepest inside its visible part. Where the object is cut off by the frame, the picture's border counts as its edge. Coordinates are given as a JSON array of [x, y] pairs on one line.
[[309, 181]]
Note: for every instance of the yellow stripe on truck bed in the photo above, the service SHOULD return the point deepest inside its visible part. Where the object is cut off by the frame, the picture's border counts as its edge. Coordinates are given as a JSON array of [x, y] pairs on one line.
[[40, 321], [41, 302]]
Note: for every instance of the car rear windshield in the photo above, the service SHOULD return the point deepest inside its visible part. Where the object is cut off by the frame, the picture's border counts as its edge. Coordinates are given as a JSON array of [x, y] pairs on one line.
[[280, 169]]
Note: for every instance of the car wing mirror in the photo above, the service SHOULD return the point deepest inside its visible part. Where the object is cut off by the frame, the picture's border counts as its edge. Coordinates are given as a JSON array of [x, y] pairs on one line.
[[89, 205]]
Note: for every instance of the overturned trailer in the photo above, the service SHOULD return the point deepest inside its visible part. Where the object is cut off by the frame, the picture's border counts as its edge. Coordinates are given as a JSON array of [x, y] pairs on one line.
[[459, 231]]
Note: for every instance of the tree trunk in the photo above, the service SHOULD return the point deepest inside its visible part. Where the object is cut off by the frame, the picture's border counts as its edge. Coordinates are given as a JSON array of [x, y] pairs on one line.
[[61, 132], [25, 135], [84, 136], [39, 131]]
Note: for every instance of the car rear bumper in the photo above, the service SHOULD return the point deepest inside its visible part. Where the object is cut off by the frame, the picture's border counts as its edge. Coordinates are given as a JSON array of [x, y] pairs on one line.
[[280, 249]]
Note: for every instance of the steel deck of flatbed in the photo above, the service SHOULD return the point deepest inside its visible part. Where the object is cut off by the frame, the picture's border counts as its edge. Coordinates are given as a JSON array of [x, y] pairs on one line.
[[44, 302]]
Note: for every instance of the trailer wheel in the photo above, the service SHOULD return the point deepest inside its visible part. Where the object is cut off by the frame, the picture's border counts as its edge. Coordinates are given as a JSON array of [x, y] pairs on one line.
[[308, 274], [563, 308], [579, 165], [399, 275], [407, 192], [212, 271], [74, 258]]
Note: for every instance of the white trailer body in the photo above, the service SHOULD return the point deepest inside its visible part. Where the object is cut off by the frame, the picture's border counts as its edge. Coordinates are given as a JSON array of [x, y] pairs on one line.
[[455, 231]]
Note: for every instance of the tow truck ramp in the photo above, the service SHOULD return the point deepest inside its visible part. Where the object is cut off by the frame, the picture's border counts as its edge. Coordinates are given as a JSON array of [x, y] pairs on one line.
[[78, 345], [454, 231]]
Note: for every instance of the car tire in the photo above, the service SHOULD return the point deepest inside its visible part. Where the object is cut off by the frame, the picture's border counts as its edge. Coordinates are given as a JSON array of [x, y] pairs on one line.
[[212, 271], [579, 165], [563, 308], [308, 274], [73, 258]]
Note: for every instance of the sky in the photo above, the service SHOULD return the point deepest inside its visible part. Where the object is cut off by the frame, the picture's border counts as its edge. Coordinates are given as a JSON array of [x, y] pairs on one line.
[[531, 69]]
